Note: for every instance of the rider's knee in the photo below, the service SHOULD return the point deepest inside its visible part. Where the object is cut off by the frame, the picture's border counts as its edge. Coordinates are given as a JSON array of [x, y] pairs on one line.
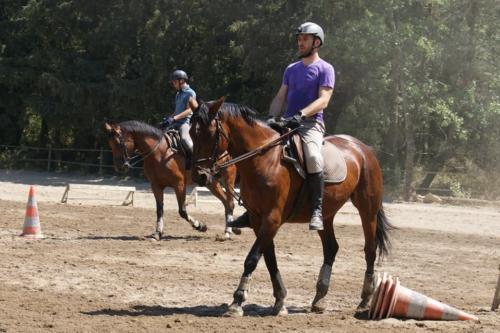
[[314, 164]]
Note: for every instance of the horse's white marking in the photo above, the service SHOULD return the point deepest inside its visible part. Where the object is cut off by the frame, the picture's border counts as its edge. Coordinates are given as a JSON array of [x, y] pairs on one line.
[[159, 225]]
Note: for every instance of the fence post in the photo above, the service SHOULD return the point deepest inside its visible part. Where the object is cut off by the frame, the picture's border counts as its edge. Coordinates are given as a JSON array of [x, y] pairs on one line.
[[49, 157], [101, 157]]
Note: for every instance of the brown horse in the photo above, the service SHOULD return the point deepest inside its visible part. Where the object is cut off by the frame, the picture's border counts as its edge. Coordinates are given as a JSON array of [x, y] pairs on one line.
[[163, 167], [270, 187]]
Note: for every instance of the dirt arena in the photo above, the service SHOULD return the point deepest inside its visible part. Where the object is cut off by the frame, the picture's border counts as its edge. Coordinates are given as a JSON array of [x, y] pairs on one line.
[[95, 271]]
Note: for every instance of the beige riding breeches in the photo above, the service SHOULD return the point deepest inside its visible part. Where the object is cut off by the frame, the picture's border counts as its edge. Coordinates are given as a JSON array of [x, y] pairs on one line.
[[311, 133]]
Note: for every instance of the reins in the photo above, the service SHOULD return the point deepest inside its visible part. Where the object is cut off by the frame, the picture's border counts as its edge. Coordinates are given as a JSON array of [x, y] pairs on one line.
[[129, 161], [216, 168]]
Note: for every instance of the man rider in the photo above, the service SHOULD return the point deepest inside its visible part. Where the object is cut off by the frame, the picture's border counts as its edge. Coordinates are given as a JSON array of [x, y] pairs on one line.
[[306, 90]]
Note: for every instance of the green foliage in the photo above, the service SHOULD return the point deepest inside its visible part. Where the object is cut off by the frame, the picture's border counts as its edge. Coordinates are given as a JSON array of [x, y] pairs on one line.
[[418, 80]]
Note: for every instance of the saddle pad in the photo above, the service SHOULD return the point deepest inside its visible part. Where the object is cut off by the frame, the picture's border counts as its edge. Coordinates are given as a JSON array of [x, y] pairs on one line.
[[335, 167]]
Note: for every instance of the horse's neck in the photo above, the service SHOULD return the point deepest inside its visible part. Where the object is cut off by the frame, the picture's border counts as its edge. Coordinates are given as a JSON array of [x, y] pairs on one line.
[[245, 138], [145, 143]]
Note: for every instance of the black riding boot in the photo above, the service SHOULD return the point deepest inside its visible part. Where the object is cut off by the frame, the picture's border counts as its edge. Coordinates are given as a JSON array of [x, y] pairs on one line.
[[242, 221], [188, 159], [315, 185]]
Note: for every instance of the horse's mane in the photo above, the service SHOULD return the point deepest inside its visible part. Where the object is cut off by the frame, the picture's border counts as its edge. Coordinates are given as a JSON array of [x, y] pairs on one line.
[[135, 126], [227, 110]]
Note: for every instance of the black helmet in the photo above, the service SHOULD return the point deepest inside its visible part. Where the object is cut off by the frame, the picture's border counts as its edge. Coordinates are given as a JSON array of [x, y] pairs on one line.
[[178, 75], [311, 29]]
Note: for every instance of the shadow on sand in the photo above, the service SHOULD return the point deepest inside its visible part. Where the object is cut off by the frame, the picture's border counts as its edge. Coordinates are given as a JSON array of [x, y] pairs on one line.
[[199, 311], [188, 238]]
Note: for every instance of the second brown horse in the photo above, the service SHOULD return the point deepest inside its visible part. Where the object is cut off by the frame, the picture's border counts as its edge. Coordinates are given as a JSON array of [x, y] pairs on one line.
[[164, 167]]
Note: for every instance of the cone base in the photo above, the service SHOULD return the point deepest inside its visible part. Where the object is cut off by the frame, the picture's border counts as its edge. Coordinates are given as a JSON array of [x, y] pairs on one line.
[[391, 299], [32, 236]]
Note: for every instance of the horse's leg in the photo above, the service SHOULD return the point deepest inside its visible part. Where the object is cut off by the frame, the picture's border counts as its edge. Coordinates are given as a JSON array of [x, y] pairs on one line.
[[158, 193], [227, 201], [265, 235], [330, 248], [230, 180], [180, 193], [368, 213], [279, 290]]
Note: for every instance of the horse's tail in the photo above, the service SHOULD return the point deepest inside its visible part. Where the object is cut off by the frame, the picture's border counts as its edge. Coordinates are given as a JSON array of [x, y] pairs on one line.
[[384, 228]]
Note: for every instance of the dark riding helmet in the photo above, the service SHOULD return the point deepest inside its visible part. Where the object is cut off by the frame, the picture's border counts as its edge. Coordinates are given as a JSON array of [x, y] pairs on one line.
[[178, 75], [311, 29]]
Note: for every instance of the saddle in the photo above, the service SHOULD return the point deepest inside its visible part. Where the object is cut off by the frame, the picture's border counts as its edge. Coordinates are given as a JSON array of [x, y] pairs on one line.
[[173, 138], [335, 167]]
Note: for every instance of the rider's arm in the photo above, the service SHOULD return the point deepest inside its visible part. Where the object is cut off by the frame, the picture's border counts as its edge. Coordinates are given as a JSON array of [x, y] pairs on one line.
[[324, 95], [278, 103], [191, 105]]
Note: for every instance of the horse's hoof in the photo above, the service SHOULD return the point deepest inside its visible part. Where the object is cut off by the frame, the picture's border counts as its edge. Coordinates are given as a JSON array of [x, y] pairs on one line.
[[363, 305], [223, 238], [201, 227], [234, 310], [156, 236], [237, 231], [283, 312], [318, 307], [280, 310]]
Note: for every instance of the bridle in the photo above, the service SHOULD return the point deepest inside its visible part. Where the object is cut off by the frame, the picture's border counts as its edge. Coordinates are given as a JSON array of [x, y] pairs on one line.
[[130, 162], [214, 168], [218, 133]]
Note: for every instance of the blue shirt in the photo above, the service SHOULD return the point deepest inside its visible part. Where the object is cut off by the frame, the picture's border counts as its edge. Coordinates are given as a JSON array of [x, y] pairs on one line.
[[182, 101], [303, 85]]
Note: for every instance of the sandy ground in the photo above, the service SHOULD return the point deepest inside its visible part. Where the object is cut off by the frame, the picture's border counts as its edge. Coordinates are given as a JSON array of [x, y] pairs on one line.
[[95, 271]]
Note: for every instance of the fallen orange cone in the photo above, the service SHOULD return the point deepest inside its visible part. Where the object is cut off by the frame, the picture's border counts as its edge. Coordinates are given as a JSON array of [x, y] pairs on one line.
[[31, 228], [391, 299]]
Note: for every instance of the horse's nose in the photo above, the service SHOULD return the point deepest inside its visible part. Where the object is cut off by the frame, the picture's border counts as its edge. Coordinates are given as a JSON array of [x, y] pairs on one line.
[[121, 167]]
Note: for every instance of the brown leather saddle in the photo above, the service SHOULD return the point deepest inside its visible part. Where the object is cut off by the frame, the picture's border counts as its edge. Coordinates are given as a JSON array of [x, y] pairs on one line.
[[174, 141], [335, 167]]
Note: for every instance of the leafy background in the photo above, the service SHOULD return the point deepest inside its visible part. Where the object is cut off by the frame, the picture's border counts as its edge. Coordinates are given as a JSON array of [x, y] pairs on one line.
[[417, 80]]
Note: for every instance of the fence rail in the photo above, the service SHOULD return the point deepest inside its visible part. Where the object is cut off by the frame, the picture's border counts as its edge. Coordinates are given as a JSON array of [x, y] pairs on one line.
[[100, 161], [51, 156]]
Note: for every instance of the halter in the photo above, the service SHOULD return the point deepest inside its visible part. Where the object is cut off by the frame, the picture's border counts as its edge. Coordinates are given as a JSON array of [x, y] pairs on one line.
[[129, 162]]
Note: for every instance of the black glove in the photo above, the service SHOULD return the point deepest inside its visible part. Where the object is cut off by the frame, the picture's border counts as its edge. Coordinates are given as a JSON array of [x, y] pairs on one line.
[[166, 122], [272, 120], [294, 122]]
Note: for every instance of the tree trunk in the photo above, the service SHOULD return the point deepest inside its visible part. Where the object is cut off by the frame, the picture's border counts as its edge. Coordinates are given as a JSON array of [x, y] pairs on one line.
[[392, 138], [434, 167], [409, 156]]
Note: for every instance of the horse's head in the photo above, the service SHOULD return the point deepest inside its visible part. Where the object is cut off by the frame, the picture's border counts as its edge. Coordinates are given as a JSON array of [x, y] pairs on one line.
[[122, 145], [209, 139]]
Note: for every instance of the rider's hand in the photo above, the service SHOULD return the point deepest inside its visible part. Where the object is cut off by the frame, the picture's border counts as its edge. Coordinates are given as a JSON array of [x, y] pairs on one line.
[[272, 120], [166, 122], [295, 121]]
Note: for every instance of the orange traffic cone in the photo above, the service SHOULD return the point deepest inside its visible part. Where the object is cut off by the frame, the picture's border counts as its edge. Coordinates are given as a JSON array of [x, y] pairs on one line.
[[31, 228], [394, 300]]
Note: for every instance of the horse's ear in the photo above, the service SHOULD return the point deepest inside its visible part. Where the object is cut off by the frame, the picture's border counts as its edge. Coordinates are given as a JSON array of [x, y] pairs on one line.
[[217, 104], [111, 128], [108, 127], [200, 102]]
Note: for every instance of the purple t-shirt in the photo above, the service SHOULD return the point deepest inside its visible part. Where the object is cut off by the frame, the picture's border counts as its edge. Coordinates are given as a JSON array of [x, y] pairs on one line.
[[303, 84]]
